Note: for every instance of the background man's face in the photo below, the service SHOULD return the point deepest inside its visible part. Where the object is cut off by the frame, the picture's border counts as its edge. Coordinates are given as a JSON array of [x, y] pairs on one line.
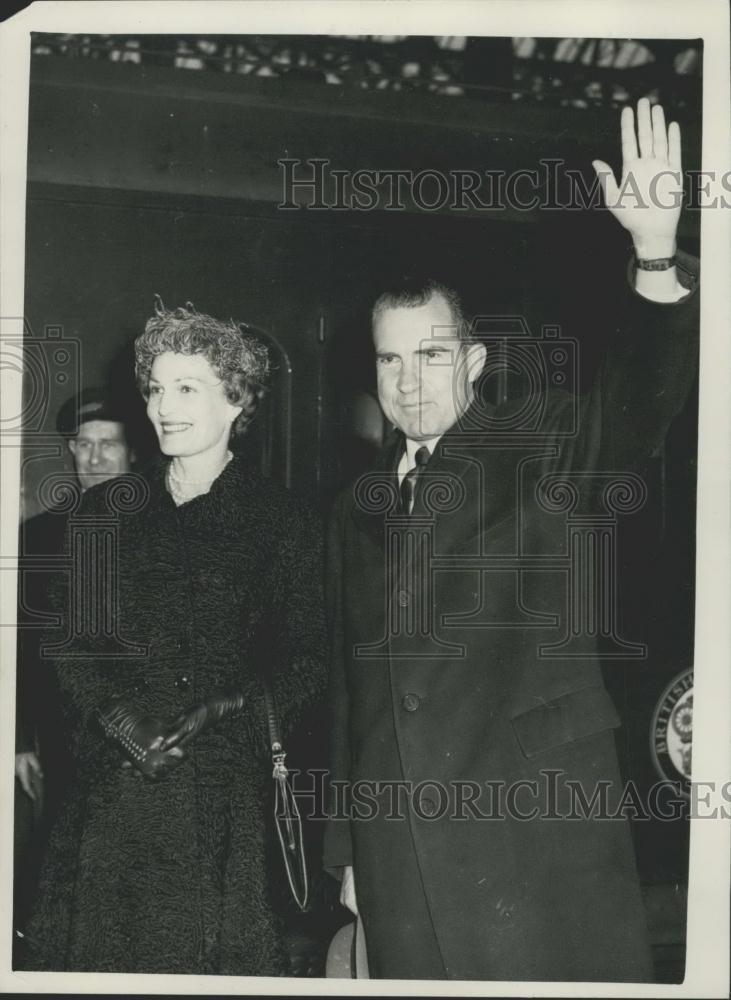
[[100, 452], [425, 372]]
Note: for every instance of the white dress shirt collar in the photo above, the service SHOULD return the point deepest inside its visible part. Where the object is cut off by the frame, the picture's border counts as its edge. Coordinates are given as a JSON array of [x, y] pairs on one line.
[[408, 459]]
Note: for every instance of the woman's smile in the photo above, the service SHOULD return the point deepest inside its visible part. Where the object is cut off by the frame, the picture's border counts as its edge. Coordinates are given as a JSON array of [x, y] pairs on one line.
[[171, 428]]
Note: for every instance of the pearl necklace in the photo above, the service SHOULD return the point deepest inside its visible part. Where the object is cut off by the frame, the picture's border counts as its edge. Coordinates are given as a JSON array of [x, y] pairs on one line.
[[183, 490]]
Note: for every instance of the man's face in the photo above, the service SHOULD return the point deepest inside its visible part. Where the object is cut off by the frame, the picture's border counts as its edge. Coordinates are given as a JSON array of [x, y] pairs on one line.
[[100, 452], [425, 373]]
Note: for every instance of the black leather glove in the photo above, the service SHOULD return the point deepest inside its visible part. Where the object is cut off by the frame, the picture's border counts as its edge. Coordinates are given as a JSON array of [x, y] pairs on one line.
[[196, 719], [139, 737]]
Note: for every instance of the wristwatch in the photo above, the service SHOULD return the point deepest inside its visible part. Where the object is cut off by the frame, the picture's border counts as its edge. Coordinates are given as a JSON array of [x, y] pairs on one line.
[[656, 264]]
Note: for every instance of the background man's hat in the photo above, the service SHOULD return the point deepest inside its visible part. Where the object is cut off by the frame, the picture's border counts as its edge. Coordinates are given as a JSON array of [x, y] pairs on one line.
[[89, 404]]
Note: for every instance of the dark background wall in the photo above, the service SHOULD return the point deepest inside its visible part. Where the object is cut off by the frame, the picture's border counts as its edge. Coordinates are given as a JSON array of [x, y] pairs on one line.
[[144, 180]]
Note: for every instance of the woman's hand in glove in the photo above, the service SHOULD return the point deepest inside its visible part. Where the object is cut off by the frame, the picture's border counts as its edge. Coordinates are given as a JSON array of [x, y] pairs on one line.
[[187, 726], [157, 764], [198, 718], [139, 738]]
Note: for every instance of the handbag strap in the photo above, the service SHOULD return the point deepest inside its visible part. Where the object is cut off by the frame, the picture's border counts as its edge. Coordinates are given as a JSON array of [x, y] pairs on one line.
[[287, 817], [272, 723]]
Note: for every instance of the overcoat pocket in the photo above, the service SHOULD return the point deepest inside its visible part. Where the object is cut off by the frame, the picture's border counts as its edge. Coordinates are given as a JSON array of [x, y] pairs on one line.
[[569, 717]]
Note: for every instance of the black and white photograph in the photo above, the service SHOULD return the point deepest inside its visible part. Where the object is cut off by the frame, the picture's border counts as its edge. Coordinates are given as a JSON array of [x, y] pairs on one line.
[[365, 459]]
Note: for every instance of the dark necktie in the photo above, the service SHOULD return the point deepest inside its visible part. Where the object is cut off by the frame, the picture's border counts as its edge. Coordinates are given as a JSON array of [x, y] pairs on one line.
[[407, 490]]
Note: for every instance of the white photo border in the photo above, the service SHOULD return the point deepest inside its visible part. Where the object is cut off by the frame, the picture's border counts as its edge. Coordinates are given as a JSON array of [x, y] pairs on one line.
[[707, 971]]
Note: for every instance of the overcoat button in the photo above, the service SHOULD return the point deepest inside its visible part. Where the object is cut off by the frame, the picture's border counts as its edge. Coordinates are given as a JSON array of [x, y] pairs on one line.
[[182, 682], [411, 702], [403, 598]]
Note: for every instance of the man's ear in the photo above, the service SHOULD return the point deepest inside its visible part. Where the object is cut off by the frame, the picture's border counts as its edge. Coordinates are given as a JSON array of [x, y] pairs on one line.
[[71, 446], [476, 354]]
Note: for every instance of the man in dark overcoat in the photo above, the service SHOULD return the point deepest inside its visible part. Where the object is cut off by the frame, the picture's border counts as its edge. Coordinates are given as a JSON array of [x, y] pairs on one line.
[[477, 817]]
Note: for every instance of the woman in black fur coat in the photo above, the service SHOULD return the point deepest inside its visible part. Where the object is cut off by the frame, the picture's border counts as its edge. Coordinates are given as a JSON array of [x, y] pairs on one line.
[[157, 862]]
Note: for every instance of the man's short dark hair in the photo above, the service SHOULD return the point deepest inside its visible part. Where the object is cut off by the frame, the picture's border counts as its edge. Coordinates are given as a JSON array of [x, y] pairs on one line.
[[410, 293]]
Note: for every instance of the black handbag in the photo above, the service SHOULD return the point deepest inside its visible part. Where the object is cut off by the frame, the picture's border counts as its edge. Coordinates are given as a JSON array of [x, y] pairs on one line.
[[287, 819]]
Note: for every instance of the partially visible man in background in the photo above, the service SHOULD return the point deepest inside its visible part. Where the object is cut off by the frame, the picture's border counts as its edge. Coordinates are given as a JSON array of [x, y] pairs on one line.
[[95, 429], [99, 448]]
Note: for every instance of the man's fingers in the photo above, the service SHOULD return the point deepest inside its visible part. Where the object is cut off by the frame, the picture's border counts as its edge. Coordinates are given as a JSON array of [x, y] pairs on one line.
[[644, 127], [26, 762], [659, 133], [27, 785], [674, 158], [35, 764], [629, 140], [606, 180], [28, 771]]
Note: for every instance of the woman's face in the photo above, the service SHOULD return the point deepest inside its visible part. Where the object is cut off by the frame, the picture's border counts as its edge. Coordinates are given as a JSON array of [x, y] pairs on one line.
[[187, 405]]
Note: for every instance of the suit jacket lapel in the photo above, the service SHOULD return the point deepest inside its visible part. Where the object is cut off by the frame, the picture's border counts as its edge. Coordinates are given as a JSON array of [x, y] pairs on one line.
[[465, 462], [468, 464]]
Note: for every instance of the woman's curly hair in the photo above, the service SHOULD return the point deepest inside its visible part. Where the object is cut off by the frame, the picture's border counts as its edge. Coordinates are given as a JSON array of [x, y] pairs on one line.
[[239, 358]]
